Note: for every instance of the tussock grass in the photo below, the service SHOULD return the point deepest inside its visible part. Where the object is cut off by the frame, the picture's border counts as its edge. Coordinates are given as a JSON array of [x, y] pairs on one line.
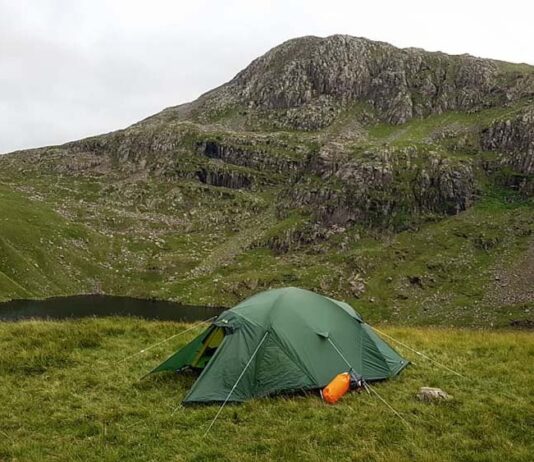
[[66, 397]]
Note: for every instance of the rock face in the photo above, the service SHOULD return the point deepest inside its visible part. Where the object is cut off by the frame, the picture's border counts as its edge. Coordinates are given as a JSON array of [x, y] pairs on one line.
[[385, 188], [232, 180], [514, 140], [250, 157], [400, 84]]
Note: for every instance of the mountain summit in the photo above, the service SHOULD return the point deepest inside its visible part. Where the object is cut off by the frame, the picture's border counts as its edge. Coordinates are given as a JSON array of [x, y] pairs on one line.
[[318, 77], [398, 177]]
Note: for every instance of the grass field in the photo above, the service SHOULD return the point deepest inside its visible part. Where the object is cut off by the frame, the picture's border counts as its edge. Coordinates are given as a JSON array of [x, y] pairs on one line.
[[65, 397]]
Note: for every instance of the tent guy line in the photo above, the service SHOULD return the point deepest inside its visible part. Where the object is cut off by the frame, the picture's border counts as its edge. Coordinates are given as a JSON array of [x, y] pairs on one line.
[[167, 339], [235, 384], [418, 352], [368, 387], [397, 413]]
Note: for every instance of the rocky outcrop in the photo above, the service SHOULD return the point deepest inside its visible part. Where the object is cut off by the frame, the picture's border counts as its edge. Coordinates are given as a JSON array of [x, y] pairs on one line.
[[388, 188], [227, 179], [513, 139], [250, 157], [132, 145], [511, 135]]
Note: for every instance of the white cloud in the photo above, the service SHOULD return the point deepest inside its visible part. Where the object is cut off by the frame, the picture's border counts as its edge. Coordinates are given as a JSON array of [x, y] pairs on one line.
[[73, 68]]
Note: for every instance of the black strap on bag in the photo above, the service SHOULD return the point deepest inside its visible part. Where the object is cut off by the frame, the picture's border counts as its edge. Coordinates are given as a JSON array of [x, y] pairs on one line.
[[356, 380]]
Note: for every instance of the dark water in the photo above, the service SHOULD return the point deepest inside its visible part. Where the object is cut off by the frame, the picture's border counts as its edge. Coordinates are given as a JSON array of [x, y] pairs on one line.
[[83, 306]]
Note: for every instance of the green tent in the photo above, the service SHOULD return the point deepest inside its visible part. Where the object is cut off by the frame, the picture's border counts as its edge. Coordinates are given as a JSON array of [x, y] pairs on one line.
[[282, 340]]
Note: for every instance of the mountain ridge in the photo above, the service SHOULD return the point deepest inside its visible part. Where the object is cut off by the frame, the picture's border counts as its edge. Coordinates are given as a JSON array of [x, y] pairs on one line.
[[351, 144]]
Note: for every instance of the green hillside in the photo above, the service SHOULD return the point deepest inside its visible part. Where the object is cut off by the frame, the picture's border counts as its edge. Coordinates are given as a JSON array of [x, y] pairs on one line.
[[69, 237], [399, 180], [174, 237]]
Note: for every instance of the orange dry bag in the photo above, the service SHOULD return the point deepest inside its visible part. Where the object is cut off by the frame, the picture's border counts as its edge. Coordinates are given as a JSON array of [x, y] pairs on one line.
[[336, 388]]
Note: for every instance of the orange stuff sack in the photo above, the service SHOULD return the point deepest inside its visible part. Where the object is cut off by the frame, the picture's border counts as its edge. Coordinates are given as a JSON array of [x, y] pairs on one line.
[[339, 385]]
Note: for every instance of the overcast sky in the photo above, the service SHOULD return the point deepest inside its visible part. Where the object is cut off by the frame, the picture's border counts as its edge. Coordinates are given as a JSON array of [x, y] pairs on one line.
[[74, 68]]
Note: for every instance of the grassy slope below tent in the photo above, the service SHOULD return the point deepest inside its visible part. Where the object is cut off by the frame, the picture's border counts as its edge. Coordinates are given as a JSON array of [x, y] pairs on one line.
[[65, 398]]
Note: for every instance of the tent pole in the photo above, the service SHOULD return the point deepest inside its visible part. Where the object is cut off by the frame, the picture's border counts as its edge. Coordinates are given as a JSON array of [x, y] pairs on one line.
[[235, 384], [417, 352], [367, 386], [340, 354], [167, 339]]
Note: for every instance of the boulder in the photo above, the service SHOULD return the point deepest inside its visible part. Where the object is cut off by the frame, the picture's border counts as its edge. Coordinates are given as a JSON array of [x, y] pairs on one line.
[[429, 394]]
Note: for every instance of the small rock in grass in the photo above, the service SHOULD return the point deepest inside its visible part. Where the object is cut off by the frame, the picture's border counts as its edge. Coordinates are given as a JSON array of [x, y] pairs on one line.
[[432, 394]]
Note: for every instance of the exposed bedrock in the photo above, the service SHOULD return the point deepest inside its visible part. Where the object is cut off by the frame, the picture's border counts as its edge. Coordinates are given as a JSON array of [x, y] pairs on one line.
[[248, 157], [385, 188], [398, 83], [513, 140], [227, 179]]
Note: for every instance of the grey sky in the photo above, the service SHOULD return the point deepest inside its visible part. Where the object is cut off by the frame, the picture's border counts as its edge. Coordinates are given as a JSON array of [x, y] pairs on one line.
[[74, 68]]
